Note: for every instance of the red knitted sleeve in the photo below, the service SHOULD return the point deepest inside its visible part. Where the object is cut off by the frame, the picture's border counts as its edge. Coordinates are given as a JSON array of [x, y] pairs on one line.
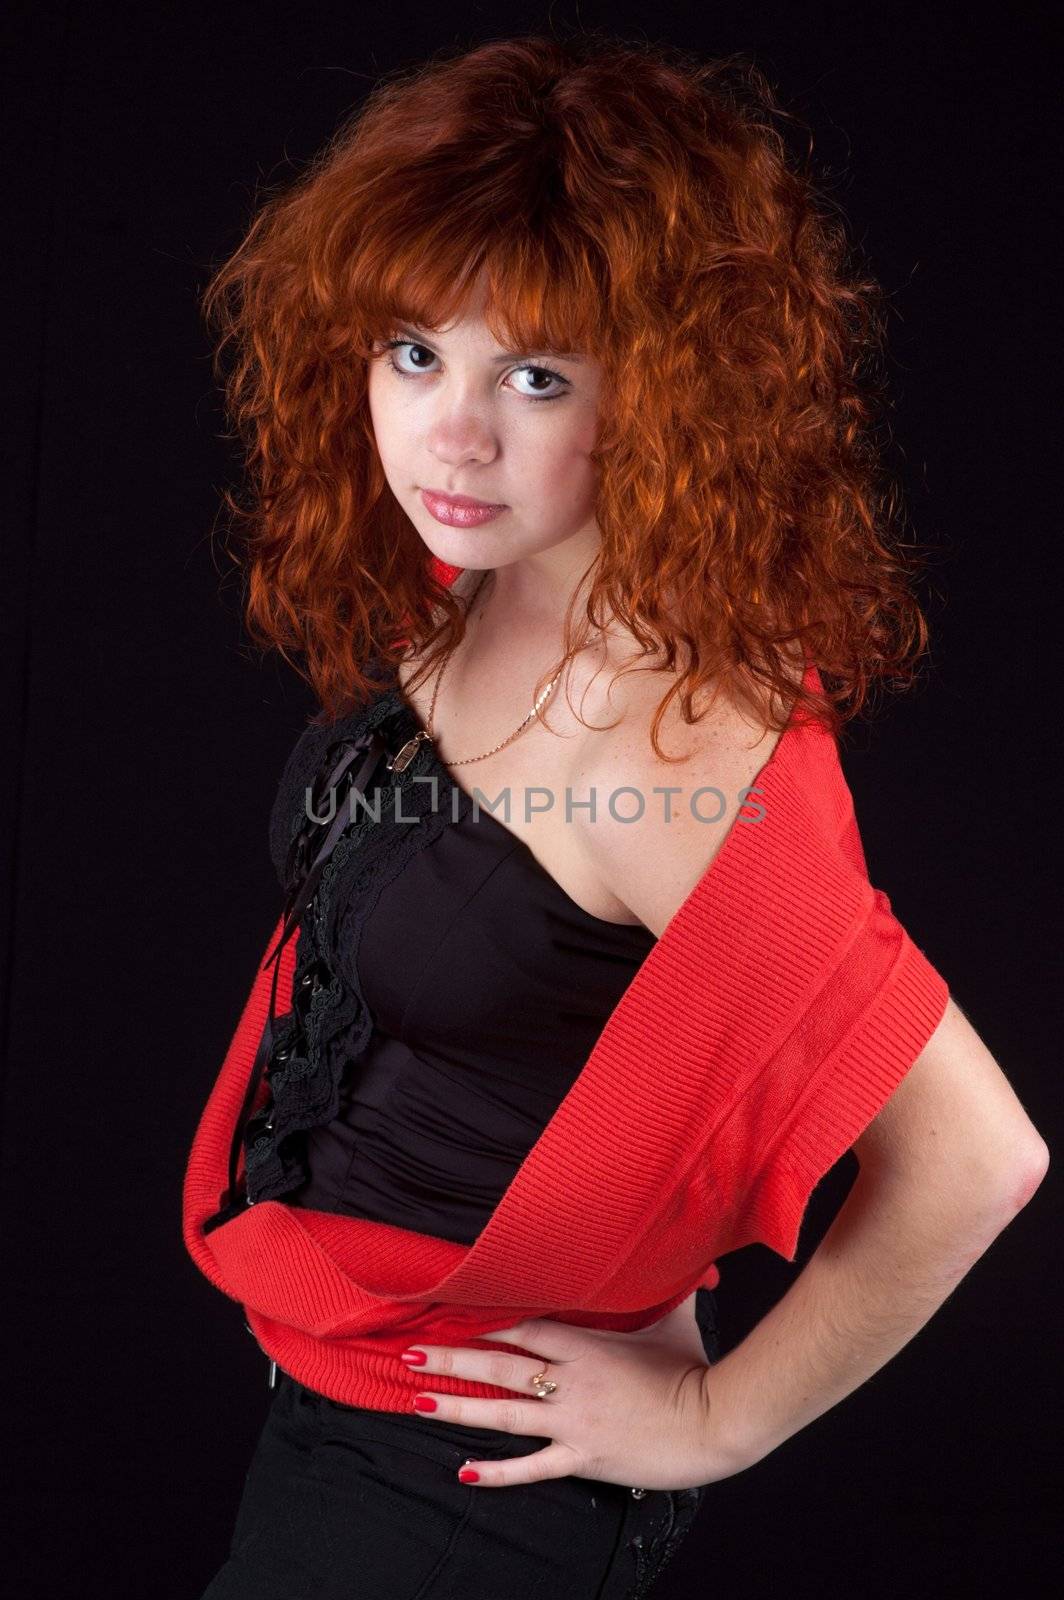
[[871, 1021]]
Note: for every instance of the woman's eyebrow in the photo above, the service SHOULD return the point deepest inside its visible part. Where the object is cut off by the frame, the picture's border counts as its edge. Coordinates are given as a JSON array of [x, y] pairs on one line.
[[509, 355]]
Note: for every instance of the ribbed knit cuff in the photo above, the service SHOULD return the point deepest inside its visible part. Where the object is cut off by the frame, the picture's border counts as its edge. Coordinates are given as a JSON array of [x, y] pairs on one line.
[[857, 1075]]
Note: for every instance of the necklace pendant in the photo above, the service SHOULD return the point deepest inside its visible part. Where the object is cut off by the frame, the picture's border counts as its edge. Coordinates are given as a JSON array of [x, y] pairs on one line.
[[402, 759]]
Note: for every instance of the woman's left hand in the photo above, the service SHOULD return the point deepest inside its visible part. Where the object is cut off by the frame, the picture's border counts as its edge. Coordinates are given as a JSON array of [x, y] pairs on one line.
[[629, 1408]]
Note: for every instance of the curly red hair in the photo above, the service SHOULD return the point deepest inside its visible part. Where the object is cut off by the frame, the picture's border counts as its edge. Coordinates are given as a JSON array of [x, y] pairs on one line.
[[621, 198]]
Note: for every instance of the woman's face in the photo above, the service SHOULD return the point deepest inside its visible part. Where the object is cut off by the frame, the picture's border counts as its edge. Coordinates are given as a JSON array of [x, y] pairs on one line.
[[461, 416]]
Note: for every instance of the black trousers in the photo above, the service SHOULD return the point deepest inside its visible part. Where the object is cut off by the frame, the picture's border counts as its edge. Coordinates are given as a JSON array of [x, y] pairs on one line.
[[344, 1503]]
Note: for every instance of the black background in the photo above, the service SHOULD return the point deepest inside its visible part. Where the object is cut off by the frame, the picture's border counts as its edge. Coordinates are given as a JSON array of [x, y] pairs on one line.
[[144, 742]]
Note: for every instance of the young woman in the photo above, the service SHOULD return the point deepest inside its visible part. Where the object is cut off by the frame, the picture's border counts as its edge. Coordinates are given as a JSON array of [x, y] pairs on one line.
[[564, 499]]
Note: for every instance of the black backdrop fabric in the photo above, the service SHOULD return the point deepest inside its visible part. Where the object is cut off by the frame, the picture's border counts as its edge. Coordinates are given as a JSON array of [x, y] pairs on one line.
[[144, 740]]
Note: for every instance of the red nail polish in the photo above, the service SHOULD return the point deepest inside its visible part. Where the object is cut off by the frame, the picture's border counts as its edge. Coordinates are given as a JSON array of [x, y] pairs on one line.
[[467, 1475], [424, 1402], [414, 1358]]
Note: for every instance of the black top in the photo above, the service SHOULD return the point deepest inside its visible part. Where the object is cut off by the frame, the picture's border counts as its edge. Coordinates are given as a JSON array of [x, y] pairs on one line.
[[447, 994]]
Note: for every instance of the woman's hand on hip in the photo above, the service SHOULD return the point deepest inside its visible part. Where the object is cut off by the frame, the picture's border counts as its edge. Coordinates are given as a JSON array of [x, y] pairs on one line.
[[629, 1408]]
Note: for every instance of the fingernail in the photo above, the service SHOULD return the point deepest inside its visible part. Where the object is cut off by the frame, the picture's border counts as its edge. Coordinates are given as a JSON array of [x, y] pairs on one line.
[[424, 1402], [414, 1358], [467, 1475]]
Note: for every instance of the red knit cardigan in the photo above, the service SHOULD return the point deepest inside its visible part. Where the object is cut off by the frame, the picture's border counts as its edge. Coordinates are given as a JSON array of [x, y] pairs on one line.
[[773, 1018]]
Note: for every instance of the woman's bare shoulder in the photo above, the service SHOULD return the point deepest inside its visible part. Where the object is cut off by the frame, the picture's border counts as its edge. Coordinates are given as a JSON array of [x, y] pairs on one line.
[[659, 823]]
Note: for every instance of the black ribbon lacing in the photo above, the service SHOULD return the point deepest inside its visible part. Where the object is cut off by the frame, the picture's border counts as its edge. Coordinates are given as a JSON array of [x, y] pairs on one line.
[[372, 747]]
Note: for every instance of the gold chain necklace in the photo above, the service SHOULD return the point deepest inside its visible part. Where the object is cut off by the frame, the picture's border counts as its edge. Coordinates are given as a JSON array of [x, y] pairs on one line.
[[402, 759]]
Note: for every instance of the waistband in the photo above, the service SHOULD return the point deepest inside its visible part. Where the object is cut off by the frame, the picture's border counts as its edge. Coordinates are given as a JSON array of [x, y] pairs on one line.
[[475, 1439]]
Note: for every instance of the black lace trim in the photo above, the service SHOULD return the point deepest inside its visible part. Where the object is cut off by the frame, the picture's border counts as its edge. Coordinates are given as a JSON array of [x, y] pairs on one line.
[[330, 1024]]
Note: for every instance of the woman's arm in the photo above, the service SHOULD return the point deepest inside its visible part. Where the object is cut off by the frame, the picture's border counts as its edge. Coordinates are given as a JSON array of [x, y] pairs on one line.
[[944, 1167]]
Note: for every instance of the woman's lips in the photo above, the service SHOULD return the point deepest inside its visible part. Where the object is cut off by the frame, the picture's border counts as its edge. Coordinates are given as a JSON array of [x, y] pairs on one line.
[[457, 511]]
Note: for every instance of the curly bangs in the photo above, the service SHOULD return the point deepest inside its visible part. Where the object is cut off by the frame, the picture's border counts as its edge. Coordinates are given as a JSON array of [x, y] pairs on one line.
[[634, 202]]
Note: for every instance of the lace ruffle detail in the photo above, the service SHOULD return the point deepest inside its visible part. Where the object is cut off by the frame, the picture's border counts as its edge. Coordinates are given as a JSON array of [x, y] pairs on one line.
[[305, 763], [330, 1023]]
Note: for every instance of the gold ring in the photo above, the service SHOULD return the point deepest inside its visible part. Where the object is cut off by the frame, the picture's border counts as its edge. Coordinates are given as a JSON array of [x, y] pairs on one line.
[[542, 1385]]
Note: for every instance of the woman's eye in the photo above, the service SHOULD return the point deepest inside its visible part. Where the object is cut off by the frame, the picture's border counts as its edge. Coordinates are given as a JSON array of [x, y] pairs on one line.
[[404, 344], [542, 373], [534, 372]]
